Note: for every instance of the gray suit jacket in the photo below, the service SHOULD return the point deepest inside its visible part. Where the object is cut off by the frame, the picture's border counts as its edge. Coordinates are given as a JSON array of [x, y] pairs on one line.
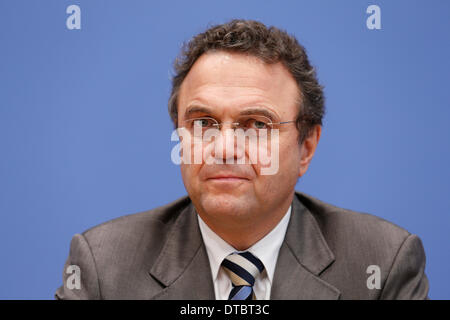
[[159, 254]]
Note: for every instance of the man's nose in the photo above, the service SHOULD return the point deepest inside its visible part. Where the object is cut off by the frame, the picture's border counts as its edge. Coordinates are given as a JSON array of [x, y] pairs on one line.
[[226, 146]]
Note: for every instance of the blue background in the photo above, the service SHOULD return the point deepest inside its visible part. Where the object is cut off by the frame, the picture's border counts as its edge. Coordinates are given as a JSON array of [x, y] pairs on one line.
[[85, 133]]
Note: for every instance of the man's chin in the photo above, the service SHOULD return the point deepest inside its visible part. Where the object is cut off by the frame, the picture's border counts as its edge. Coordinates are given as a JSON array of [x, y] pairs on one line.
[[225, 204]]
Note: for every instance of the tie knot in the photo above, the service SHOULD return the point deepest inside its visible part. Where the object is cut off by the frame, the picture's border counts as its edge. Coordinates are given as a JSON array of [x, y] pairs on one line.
[[242, 268]]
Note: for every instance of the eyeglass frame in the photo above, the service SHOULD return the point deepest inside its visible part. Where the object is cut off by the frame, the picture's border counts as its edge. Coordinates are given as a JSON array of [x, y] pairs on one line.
[[218, 124]]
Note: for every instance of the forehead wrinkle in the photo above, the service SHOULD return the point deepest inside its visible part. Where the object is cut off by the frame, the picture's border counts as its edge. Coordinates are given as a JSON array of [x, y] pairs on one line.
[[260, 85], [224, 67], [236, 106], [226, 88]]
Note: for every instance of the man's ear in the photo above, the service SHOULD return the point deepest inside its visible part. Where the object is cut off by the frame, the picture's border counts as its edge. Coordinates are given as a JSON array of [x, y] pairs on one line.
[[308, 148]]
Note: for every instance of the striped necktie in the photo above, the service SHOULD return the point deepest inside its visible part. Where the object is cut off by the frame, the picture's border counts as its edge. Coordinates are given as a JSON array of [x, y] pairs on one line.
[[242, 268]]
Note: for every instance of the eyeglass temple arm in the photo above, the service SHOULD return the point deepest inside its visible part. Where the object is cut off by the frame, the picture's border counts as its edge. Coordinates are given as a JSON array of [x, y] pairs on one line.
[[283, 122]]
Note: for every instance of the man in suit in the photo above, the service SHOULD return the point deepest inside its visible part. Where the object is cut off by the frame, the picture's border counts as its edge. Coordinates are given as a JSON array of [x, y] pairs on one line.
[[243, 234]]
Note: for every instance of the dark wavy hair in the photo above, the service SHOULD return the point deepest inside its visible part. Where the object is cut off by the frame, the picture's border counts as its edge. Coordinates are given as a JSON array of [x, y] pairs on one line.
[[271, 45]]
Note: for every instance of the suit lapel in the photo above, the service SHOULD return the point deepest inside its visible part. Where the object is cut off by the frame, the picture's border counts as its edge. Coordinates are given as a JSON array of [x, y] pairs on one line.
[[183, 265], [303, 255]]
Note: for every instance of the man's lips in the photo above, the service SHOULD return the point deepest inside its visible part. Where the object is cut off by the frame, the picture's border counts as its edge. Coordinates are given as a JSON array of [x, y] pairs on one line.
[[227, 178], [227, 181]]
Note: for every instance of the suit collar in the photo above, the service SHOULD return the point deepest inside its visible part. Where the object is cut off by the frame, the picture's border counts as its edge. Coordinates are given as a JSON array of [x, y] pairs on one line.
[[306, 240], [302, 257], [183, 265]]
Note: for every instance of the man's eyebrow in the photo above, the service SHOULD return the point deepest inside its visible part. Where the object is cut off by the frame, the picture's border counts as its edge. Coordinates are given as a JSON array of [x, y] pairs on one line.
[[246, 112], [197, 109], [259, 111]]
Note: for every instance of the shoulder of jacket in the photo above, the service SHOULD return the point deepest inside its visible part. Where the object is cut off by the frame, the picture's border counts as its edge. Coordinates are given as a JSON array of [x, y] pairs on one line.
[[159, 217], [333, 219]]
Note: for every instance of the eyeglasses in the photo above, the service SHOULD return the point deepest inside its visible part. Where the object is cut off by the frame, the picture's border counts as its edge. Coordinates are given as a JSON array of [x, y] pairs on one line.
[[255, 122]]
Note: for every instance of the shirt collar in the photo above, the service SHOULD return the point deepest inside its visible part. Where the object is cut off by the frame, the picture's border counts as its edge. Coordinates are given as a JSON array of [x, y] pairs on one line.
[[266, 249]]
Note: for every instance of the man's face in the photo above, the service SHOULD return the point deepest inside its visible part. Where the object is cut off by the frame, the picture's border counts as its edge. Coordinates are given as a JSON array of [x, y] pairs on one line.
[[224, 85]]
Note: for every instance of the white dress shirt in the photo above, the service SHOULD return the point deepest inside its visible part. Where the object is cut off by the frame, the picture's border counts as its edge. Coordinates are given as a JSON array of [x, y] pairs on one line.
[[265, 250]]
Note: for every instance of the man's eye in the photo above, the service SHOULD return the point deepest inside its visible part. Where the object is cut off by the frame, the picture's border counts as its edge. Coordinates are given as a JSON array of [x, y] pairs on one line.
[[260, 125], [203, 123], [257, 124]]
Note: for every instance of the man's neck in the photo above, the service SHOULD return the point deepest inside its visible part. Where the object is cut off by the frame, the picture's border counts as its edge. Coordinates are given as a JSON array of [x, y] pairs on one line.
[[241, 233]]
